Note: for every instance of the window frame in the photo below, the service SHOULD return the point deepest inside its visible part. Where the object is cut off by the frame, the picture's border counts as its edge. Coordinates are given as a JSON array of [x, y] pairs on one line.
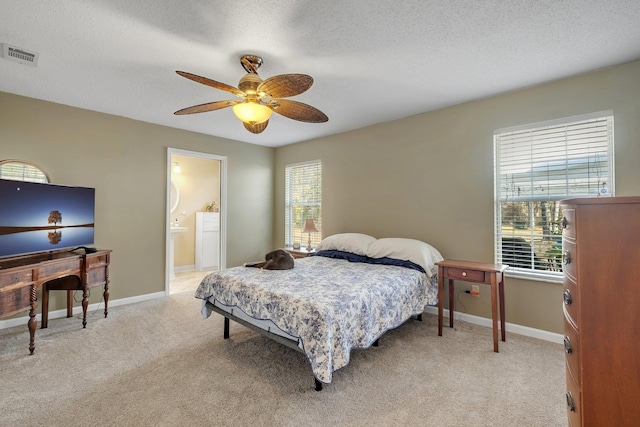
[[291, 236], [568, 172]]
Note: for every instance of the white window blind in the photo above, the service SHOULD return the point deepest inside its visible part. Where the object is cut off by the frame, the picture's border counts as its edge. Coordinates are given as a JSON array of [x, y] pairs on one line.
[[535, 167], [303, 200], [21, 171]]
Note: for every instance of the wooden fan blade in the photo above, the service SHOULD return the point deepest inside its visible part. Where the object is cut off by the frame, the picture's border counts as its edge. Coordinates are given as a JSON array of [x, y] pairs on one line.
[[298, 111], [203, 108], [286, 85], [212, 83], [257, 128]]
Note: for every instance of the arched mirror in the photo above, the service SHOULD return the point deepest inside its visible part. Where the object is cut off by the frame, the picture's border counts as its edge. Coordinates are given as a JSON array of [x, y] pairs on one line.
[[174, 197], [19, 170]]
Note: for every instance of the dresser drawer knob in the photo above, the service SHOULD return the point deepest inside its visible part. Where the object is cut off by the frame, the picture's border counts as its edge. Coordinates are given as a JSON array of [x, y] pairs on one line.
[[566, 258], [567, 297], [464, 274], [570, 403], [567, 345], [564, 222]]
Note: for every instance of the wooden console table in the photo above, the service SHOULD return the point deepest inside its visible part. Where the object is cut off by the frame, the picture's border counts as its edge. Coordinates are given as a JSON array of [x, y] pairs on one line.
[[476, 272], [20, 278]]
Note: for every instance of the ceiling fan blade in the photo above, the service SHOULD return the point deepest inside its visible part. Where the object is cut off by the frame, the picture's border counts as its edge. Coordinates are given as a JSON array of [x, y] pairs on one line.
[[298, 111], [212, 83], [256, 128], [203, 108], [286, 85]]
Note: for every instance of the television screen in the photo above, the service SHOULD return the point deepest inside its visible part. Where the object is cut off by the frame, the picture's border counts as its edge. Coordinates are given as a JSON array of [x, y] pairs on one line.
[[36, 217]]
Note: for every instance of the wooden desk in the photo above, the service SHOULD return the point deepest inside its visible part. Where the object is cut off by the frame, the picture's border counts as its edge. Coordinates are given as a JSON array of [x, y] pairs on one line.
[[20, 278], [476, 272]]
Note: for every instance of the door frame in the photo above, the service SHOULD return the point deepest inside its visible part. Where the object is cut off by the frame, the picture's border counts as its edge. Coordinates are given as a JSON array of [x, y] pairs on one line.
[[223, 207]]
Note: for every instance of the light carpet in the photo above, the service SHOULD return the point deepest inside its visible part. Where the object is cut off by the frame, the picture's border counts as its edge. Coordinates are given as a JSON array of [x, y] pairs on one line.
[[158, 363]]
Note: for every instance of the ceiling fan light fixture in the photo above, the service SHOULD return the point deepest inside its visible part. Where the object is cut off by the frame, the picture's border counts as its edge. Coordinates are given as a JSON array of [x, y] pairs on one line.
[[252, 112], [260, 97]]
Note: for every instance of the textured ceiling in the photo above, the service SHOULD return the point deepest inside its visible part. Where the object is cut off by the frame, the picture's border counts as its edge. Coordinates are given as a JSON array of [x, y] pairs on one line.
[[372, 61]]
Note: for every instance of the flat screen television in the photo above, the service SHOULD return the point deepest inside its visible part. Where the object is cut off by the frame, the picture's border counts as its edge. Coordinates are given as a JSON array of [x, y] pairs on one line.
[[37, 217]]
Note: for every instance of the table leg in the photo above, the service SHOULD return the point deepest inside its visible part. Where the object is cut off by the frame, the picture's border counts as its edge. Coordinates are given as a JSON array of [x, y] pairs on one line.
[[494, 311], [105, 294], [69, 303], [451, 308], [45, 307], [440, 298], [502, 321], [85, 304], [32, 323]]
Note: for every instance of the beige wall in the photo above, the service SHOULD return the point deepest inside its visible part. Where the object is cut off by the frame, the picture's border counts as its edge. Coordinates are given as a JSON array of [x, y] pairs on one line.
[[125, 160], [430, 176]]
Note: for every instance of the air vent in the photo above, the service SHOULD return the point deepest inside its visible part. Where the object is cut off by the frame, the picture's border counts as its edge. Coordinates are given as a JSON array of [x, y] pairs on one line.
[[17, 54]]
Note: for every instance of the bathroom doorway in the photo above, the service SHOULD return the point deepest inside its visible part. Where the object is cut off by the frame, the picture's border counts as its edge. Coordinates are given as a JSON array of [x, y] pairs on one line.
[[195, 218]]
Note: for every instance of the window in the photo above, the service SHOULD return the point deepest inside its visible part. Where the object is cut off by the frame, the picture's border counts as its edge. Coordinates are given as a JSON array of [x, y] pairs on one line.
[[303, 200], [535, 167], [18, 170]]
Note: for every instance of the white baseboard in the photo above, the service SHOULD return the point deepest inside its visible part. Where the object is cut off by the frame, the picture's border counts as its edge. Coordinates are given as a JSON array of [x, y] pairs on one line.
[[181, 268], [509, 327], [8, 323]]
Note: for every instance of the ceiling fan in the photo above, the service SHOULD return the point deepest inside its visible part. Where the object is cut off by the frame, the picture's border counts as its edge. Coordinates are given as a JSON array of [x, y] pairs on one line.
[[259, 98]]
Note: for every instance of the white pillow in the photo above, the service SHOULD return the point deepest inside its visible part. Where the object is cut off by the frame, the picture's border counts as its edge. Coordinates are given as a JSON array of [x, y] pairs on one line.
[[355, 243], [412, 250]]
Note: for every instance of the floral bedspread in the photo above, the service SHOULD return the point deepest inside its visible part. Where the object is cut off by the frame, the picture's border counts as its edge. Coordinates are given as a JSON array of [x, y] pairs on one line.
[[331, 305]]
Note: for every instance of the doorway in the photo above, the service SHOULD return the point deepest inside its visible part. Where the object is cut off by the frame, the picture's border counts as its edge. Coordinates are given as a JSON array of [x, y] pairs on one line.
[[195, 217]]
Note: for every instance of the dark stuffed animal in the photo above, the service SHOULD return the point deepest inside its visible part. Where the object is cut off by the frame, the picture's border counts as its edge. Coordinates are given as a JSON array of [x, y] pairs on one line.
[[275, 260]]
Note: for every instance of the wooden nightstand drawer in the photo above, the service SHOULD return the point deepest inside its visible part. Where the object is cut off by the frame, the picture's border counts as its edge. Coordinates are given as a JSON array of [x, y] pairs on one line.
[[463, 274]]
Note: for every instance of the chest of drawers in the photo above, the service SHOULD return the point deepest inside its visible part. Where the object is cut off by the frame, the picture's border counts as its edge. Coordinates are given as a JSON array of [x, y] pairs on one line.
[[601, 305]]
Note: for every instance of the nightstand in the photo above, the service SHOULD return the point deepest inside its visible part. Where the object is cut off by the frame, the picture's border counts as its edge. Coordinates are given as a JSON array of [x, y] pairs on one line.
[[299, 253], [476, 272]]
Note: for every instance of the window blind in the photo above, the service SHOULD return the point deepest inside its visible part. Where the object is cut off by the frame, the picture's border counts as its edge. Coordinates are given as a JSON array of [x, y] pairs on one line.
[[19, 171], [303, 200], [535, 167]]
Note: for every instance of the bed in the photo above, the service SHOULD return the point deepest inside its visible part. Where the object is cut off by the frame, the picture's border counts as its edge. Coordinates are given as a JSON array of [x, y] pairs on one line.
[[344, 297]]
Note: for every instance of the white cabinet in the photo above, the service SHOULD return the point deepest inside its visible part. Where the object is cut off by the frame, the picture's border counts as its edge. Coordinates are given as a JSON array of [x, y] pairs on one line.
[[207, 240]]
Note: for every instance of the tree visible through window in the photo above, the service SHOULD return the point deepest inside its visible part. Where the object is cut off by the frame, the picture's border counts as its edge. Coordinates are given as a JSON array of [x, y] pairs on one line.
[[303, 200], [536, 166]]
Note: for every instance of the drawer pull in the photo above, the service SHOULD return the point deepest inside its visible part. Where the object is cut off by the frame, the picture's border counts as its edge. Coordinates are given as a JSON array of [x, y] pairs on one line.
[[567, 297], [464, 274], [570, 404], [566, 258], [564, 222], [567, 345]]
